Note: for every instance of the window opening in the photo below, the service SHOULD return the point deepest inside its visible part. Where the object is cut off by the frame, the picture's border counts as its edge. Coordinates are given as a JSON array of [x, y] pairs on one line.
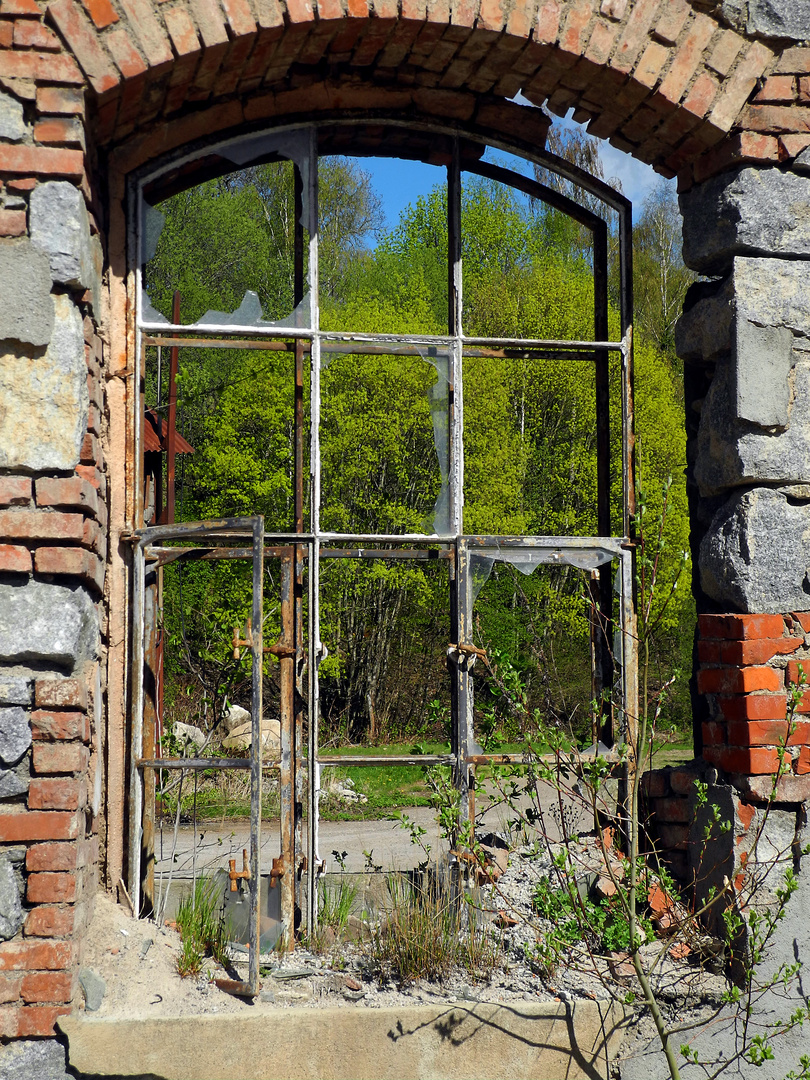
[[329, 372]]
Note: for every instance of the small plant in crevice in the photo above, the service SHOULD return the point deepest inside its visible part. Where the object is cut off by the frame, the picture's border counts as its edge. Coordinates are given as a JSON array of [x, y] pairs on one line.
[[335, 906], [203, 930]]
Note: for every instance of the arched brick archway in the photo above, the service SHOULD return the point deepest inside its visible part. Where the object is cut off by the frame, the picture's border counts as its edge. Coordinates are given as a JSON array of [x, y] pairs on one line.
[[93, 90]]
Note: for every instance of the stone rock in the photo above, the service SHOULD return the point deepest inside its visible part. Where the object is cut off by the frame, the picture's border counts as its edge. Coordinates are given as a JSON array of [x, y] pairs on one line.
[[763, 358], [732, 453], [47, 622], [15, 690], [12, 124], [769, 18], [802, 162], [235, 716], [772, 292], [60, 226], [26, 307], [15, 734], [44, 400], [40, 1059], [93, 988], [14, 781], [703, 332], [189, 735], [11, 913], [755, 555], [241, 736], [753, 210]]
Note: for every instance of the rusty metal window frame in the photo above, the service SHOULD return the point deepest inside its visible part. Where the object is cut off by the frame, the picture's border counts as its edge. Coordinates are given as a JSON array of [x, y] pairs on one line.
[[314, 544]]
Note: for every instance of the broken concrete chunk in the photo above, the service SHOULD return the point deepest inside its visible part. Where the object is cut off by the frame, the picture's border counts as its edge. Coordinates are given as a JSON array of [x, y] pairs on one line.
[[755, 555], [26, 307], [44, 400], [15, 734], [11, 913], [754, 210], [47, 622], [93, 987]]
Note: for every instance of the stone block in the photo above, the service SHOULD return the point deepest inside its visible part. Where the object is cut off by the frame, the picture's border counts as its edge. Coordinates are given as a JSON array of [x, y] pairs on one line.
[[11, 913], [751, 211], [784, 19], [15, 734], [26, 307], [15, 690], [763, 358], [35, 1059], [44, 400], [14, 781], [60, 226], [48, 623], [703, 332], [12, 123], [756, 553]]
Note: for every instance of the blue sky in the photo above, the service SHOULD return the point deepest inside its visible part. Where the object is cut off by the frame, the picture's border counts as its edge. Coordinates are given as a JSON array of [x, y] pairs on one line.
[[401, 182]]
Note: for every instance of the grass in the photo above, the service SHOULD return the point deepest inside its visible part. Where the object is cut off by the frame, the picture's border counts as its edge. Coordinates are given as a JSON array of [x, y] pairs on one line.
[[202, 928]]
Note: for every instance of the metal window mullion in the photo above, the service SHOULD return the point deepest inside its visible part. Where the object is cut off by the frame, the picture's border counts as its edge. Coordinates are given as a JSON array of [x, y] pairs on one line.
[[455, 306], [256, 748], [136, 748]]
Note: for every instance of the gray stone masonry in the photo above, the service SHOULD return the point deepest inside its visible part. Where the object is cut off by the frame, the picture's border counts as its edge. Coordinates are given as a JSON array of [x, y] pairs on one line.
[[49, 623], [12, 124], [752, 211], [44, 400], [782, 19], [26, 311], [15, 734], [60, 226]]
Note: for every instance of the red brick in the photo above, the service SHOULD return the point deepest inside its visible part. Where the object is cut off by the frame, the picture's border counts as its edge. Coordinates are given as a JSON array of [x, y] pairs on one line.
[[758, 651], [33, 35], [803, 618], [795, 60], [101, 12], [20, 7], [56, 67], [57, 856], [491, 16], [700, 97], [754, 707], [21, 185], [682, 781], [672, 21], [743, 146], [777, 88], [757, 732], [127, 58], [39, 1020], [56, 793], [548, 22], [655, 783], [46, 161], [145, 26], [687, 58], [39, 986], [572, 34], [75, 27], [60, 99], [613, 9], [672, 811], [35, 955], [709, 652], [741, 627], [601, 42], [70, 492], [793, 145], [634, 36], [15, 559], [6, 35], [59, 757], [10, 988], [12, 222], [47, 888], [725, 52], [59, 131], [803, 762], [51, 922], [240, 17], [745, 680], [36, 525], [755, 761], [60, 725], [673, 837], [793, 671], [37, 825], [714, 733], [651, 65], [739, 86], [60, 694]]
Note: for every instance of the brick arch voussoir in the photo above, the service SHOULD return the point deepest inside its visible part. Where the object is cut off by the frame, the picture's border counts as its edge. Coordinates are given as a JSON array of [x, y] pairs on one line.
[[661, 80]]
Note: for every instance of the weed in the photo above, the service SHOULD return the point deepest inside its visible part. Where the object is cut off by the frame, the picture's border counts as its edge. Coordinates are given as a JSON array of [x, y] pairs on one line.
[[336, 903], [202, 927]]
